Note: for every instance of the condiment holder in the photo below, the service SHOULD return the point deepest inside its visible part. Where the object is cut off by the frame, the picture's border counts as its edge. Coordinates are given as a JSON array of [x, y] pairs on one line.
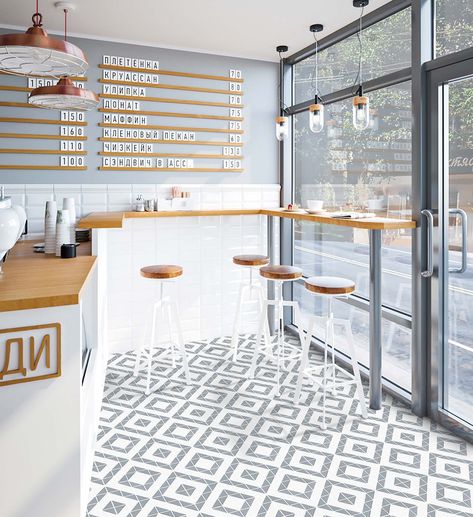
[[68, 251]]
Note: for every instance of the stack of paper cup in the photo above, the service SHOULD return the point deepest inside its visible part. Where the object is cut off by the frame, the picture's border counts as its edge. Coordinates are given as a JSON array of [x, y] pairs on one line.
[[50, 227], [63, 230], [68, 203]]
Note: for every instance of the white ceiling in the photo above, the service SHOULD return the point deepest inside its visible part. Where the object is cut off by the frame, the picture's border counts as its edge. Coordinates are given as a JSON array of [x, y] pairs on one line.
[[243, 28]]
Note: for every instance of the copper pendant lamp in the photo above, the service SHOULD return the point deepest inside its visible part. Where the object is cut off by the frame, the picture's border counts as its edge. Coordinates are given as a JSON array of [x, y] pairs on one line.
[[64, 95], [36, 53]]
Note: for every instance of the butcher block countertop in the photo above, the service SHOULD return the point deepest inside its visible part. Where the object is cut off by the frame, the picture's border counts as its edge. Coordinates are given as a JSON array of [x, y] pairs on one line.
[[35, 280], [115, 219]]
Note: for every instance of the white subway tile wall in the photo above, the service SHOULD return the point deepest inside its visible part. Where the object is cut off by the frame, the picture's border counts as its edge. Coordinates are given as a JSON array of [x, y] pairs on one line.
[[207, 291], [204, 246], [116, 197]]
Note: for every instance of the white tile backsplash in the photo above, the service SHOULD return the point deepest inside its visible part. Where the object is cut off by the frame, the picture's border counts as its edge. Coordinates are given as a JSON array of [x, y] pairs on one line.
[[120, 197], [208, 291]]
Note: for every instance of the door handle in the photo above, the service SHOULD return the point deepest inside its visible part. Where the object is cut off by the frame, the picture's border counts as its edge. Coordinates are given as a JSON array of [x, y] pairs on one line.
[[427, 273], [464, 220]]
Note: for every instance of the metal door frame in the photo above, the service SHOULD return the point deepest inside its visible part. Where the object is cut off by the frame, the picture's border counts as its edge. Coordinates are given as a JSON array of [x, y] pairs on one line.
[[436, 185]]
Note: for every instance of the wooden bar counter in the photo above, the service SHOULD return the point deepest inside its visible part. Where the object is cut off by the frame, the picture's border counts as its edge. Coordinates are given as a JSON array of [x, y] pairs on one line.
[[35, 280], [115, 219]]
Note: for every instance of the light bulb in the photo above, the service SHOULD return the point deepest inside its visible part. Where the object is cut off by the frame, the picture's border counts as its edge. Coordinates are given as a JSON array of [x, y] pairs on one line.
[[316, 117], [361, 112], [374, 120], [282, 128]]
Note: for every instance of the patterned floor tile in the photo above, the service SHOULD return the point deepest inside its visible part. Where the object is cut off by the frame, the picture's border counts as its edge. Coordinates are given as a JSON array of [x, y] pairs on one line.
[[225, 445]]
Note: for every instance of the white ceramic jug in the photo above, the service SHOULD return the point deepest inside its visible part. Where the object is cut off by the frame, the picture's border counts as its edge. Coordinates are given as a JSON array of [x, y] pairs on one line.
[[10, 226]]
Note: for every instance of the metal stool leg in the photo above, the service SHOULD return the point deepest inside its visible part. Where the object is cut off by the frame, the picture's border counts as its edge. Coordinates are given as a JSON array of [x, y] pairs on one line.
[[236, 322], [298, 322], [356, 371], [145, 342], [304, 359], [325, 370], [332, 341], [266, 332], [151, 346], [280, 351], [137, 362], [180, 341], [167, 309], [263, 317]]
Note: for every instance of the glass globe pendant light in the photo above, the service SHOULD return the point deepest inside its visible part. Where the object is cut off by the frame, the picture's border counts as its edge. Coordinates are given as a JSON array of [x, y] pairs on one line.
[[282, 122], [361, 110], [64, 95], [316, 110], [36, 53], [316, 116], [282, 127], [361, 103]]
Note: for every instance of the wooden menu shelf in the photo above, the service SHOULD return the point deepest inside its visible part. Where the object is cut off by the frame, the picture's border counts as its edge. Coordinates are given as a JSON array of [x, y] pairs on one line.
[[173, 73], [169, 114], [17, 105], [14, 88], [170, 155], [173, 128], [180, 142], [41, 168], [172, 87], [14, 120], [40, 151], [41, 137], [84, 78], [167, 169], [169, 101]]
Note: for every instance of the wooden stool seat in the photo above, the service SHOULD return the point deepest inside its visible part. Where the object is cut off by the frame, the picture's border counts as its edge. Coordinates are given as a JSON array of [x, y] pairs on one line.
[[331, 285], [281, 272], [251, 260], [161, 272]]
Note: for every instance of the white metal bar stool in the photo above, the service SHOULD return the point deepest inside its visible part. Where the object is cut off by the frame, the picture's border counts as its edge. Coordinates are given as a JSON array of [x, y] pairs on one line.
[[325, 376], [169, 311], [284, 351], [249, 285]]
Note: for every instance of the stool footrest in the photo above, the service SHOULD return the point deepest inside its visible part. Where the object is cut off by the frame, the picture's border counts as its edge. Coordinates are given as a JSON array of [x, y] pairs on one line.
[[317, 379], [291, 352]]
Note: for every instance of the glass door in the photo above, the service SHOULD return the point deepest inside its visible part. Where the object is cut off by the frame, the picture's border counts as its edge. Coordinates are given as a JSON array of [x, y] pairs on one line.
[[449, 243]]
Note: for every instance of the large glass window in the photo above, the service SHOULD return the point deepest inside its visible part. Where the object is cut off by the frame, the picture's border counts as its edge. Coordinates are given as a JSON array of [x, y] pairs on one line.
[[458, 340], [359, 170], [386, 49], [453, 25]]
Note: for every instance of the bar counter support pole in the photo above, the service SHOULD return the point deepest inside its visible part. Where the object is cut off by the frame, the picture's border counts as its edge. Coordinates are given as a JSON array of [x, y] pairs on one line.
[[375, 320], [271, 251]]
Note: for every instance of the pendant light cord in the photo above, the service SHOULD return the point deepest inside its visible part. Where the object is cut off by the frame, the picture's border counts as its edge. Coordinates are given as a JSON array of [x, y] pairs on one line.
[[316, 65], [282, 106], [37, 18], [315, 72], [359, 76], [65, 24]]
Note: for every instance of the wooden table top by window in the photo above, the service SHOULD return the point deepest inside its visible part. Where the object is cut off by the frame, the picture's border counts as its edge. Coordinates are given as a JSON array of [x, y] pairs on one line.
[[371, 223], [115, 219]]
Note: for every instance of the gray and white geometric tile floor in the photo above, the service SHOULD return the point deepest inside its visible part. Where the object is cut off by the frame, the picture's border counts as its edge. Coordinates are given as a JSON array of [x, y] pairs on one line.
[[225, 446]]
